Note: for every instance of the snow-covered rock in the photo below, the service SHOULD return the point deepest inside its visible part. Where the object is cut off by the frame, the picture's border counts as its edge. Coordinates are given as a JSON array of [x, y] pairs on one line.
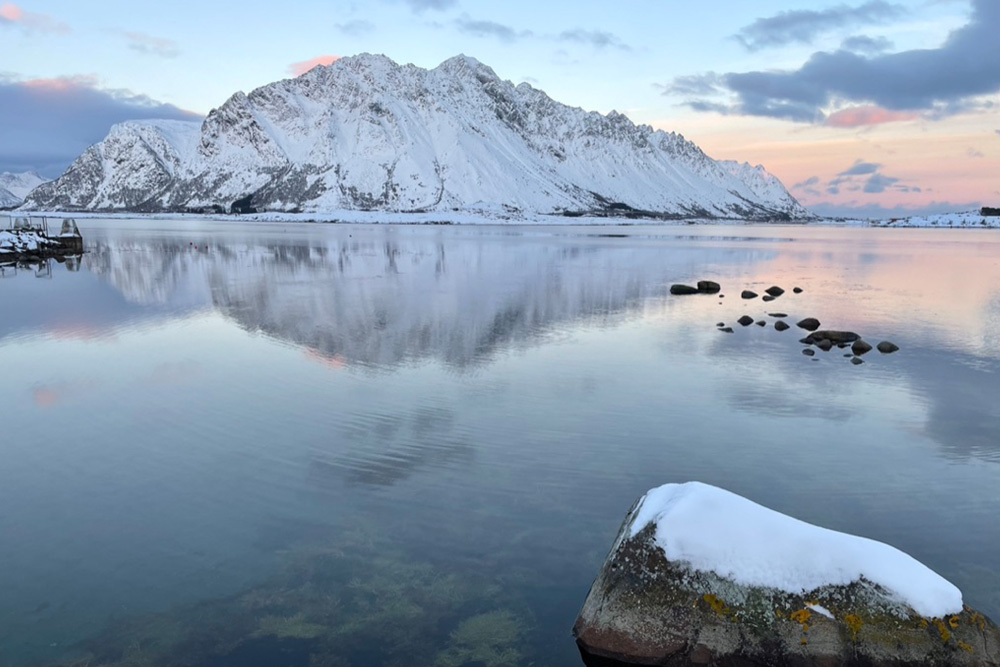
[[367, 134], [699, 575], [18, 242], [15, 187]]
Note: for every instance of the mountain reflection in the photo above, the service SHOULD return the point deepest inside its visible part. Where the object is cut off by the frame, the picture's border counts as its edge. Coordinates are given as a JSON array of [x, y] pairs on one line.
[[367, 297]]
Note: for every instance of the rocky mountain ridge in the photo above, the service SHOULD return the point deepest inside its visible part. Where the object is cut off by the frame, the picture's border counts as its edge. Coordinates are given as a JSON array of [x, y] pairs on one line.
[[368, 134]]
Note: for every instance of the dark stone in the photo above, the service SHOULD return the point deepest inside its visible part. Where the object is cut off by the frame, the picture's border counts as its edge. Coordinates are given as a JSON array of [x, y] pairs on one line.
[[746, 320], [683, 289], [809, 324], [721, 324], [779, 315], [836, 337], [808, 340], [726, 330], [797, 290], [748, 294], [722, 296], [861, 348], [988, 211], [824, 345], [848, 355], [809, 352], [781, 326], [709, 287], [885, 347], [775, 291], [767, 298], [857, 361], [761, 323]]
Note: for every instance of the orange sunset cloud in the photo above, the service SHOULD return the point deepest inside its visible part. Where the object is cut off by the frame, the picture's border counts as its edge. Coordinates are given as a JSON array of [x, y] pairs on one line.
[[867, 115], [298, 69]]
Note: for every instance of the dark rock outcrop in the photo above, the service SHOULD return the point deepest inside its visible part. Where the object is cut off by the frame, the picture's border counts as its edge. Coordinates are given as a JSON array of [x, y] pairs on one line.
[[885, 347], [861, 348], [709, 287]]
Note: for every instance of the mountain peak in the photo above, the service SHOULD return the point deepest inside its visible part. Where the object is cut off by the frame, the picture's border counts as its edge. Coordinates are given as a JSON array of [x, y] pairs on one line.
[[368, 133]]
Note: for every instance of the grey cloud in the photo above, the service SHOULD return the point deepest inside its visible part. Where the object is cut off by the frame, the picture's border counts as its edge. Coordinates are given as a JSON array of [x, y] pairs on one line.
[[705, 105], [830, 209], [877, 183], [694, 84], [866, 45], [939, 82], [596, 38], [48, 124], [156, 46], [804, 25], [861, 168], [355, 28], [500, 31], [812, 180]]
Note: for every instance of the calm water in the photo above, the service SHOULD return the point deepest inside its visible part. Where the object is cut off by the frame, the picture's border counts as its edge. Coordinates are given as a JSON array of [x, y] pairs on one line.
[[394, 445]]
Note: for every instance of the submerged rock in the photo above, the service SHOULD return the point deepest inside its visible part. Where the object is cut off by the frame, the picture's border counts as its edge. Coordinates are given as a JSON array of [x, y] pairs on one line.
[[746, 320], [748, 294], [824, 344], [809, 324], [671, 592], [726, 329], [809, 352], [857, 361], [683, 289], [885, 347]]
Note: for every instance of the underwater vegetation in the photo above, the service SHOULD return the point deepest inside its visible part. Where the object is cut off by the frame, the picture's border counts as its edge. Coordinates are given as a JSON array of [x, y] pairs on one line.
[[358, 603]]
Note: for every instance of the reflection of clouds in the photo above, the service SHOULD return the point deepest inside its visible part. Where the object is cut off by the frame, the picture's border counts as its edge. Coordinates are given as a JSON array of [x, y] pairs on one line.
[[51, 395], [382, 449]]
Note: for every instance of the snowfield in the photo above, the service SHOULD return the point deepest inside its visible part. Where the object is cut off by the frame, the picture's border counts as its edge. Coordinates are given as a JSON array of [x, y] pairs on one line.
[[714, 530]]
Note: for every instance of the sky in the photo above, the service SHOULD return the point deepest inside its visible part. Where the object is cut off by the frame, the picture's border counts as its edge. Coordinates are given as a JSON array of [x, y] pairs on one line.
[[861, 107]]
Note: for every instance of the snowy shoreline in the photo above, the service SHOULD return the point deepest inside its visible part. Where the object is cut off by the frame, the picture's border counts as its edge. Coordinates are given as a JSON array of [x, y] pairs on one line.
[[964, 220]]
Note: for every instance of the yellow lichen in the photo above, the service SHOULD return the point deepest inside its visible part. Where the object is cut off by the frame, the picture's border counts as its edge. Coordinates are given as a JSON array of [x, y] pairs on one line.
[[923, 623], [965, 647], [854, 622], [953, 622], [943, 630], [801, 616], [717, 605]]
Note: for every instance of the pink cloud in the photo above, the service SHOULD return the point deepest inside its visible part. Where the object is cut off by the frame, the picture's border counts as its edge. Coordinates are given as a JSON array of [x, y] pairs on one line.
[[867, 115], [298, 69], [11, 14]]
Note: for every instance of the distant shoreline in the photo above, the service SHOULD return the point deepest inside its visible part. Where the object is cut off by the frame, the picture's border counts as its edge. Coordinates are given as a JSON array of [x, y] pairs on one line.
[[965, 220]]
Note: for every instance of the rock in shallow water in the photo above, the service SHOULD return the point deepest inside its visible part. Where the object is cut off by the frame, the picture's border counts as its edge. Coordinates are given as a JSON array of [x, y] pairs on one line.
[[748, 294], [709, 287], [781, 326], [885, 347], [683, 289], [746, 320], [669, 595], [809, 324], [775, 291]]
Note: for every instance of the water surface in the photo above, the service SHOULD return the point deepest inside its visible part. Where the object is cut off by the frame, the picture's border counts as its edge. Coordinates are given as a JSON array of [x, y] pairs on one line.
[[403, 441]]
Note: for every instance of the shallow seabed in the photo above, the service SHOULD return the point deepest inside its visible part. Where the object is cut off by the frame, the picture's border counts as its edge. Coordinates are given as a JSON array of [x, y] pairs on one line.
[[237, 444]]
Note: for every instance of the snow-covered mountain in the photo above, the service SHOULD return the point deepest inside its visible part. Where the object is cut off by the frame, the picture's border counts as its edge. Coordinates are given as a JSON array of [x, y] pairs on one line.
[[15, 187], [365, 133]]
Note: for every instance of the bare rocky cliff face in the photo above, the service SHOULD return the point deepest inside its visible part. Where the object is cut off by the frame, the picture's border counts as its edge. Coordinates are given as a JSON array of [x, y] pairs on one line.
[[368, 134]]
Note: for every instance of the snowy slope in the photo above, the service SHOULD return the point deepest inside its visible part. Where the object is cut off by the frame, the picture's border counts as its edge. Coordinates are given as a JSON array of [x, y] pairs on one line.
[[15, 187], [368, 134]]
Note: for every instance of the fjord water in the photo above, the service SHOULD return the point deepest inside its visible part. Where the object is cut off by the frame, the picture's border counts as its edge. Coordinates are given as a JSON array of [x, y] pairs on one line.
[[417, 443]]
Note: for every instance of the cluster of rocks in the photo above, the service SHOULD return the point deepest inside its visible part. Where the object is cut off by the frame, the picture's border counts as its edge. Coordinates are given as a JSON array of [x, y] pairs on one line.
[[823, 340]]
